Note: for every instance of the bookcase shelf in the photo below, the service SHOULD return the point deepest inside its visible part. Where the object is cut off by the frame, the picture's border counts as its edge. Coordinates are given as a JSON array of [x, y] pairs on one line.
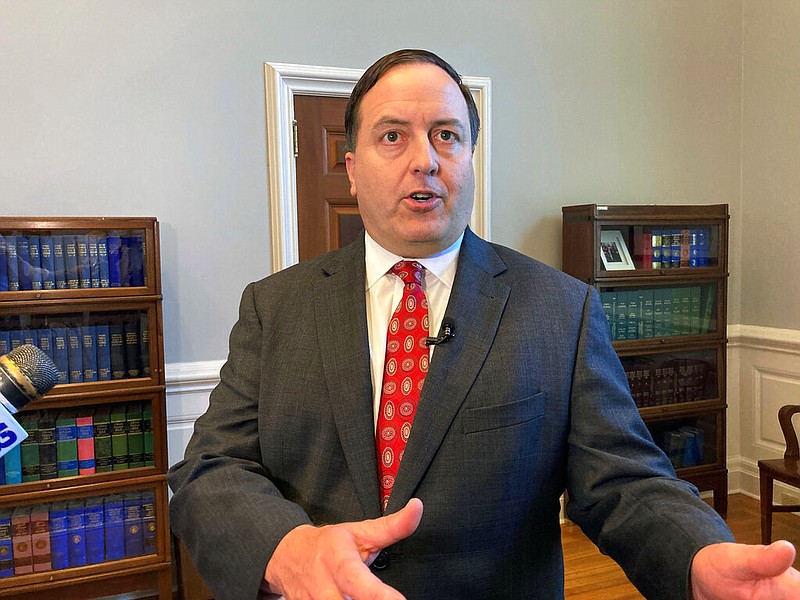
[[87, 290], [661, 271]]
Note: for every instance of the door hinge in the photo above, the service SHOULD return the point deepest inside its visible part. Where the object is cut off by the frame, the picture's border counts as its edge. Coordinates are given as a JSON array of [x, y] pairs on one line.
[[294, 138]]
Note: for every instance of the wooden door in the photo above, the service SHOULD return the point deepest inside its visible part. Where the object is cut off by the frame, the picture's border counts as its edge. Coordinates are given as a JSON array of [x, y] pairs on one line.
[[327, 216]]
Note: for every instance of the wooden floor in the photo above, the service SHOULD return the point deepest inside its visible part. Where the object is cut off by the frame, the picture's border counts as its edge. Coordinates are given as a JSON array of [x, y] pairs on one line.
[[591, 576]]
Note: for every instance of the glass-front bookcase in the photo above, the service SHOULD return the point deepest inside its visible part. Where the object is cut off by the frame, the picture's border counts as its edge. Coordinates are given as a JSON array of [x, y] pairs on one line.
[[83, 500], [661, 272]]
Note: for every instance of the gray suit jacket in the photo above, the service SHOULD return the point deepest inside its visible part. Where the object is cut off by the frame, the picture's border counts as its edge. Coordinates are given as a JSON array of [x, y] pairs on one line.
[[529, 399]]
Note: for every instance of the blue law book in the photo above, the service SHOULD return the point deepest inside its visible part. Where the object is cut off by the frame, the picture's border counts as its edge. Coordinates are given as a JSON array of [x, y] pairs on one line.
[[44, 340], [29, 336], [134, 537], [113, 246], [135, 244], [3, 265], [84, 269], [89, 339], [59, 543], [59, 263], [6, 545], [95, 530], [115, 526], [102, 260], [103, 353], [76, 533], [48, 262], [71, 262], [24, 262], [124, 260], [149, 521], [35, 262], [17, 338], [5, 342], [94, 264], [60, 353], [12, 462], [12, 265], [75, 354]]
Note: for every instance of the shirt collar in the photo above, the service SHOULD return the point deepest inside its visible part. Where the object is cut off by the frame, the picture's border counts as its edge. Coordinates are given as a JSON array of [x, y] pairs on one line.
[[441, 265]]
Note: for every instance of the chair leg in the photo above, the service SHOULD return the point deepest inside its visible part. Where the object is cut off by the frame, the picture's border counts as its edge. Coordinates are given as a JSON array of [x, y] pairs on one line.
[[766, 508]]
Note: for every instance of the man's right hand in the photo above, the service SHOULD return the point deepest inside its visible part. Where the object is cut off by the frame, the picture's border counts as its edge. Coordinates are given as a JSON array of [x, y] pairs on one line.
[[313, 563]]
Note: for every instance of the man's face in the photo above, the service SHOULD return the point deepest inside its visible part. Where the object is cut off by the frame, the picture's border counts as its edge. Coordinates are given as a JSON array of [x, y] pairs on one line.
[[412, 167]]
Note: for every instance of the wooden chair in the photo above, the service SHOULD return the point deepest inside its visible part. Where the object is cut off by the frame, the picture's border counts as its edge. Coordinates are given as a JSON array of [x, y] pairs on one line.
[[785, 470]]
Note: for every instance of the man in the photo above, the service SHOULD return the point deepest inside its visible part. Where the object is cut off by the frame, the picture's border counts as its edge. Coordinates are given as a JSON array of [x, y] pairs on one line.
[[524, 398]]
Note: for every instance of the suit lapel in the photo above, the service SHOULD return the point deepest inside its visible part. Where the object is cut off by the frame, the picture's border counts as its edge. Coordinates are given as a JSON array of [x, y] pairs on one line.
[[475, 307], [340, 309]]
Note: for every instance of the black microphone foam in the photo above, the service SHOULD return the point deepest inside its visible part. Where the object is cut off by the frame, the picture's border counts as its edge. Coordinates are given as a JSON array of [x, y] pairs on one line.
[[26, 373]]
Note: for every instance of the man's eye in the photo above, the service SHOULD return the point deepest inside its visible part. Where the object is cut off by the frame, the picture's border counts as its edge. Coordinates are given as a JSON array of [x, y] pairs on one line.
[[447, 136], [392, 136]]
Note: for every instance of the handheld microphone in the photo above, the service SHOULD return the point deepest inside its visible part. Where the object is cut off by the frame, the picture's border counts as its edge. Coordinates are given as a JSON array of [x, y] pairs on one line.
[[447, 332], [26, 373]]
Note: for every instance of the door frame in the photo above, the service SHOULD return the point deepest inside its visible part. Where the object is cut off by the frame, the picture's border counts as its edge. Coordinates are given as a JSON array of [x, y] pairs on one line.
[[282, 82]]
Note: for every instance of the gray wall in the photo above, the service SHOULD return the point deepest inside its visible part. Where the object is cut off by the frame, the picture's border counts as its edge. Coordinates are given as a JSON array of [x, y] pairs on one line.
[[157, 108]]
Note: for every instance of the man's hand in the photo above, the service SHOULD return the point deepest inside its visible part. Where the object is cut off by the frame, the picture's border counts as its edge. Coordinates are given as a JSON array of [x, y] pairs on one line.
[[739, 571], [332, 561]]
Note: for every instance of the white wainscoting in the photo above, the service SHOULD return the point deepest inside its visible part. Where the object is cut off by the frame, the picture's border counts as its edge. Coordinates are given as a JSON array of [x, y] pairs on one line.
[[763, 374]]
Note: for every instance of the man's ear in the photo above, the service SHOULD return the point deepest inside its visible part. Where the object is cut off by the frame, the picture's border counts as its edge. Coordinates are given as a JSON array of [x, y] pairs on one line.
[[350, 164]]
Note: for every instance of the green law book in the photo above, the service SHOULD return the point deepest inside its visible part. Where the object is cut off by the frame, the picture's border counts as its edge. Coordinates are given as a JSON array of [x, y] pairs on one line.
[[147, 430], [133, 418], [67, 444], [29, 448], [103, 460], [119, 438]]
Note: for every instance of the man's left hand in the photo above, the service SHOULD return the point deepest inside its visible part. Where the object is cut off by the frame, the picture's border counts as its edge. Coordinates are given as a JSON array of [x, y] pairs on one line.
[[743, 572]]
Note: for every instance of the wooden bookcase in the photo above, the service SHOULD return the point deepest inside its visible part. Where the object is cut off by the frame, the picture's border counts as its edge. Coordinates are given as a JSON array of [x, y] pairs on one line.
[[114, 299], [668, 323]]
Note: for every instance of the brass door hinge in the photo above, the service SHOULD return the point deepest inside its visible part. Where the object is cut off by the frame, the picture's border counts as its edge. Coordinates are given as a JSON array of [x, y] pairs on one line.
[[294, 138]]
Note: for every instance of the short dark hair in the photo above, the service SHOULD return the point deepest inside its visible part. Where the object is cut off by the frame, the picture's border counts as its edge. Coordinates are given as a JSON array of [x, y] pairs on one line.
[[388, 62]]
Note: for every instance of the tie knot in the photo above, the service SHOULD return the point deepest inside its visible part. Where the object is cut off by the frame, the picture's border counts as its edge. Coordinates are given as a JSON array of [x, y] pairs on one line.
[[410, 271]]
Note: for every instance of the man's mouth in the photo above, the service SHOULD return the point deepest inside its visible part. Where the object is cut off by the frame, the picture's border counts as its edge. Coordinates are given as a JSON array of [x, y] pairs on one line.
[[421, 196]]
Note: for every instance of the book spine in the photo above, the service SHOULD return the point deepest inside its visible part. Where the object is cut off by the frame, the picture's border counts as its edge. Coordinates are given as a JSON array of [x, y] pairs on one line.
[[66, 445], [71, 261], [84, 269], [29, 448], [12, 462], [147, 435], [113, 243], [103, 353], [103, 458], [95, 530], [24, 262], [621, 315], [48, 453], [94, 261], [84, 425], [40, 539], [117, 350], [102, 261], [134, 537], [119, 438], [61, 353], [5, 342], [48, 263], [44, 340], [144, 345], [12, 265], [35, 264], [675, 257], [3, 273], [59, 263], [75, 354], [6, 545], [132, 347], [124, 260], [89, 351], [21, 540], [114, 526], [59, 546], [136, 268], [76, 533], [133, 426], [149, 522]]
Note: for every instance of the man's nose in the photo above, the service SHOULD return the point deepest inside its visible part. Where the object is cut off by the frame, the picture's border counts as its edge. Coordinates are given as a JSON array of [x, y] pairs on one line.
[[424, 158]]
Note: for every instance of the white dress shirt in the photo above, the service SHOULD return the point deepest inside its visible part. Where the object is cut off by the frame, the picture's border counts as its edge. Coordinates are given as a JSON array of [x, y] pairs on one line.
[[384, 291]]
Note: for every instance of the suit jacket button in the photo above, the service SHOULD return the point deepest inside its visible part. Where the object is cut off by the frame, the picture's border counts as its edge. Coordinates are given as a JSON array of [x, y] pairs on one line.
[[381, 561]]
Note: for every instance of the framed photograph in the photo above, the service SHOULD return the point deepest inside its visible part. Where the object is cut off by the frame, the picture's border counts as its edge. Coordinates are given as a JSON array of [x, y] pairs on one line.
[[614, 252]]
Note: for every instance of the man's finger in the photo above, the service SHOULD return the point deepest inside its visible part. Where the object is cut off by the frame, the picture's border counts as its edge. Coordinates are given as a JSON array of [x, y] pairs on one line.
[[378, 533]]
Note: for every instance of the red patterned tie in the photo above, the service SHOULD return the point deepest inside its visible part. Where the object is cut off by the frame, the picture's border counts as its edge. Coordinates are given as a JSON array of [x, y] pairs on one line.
[[403, 375]]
